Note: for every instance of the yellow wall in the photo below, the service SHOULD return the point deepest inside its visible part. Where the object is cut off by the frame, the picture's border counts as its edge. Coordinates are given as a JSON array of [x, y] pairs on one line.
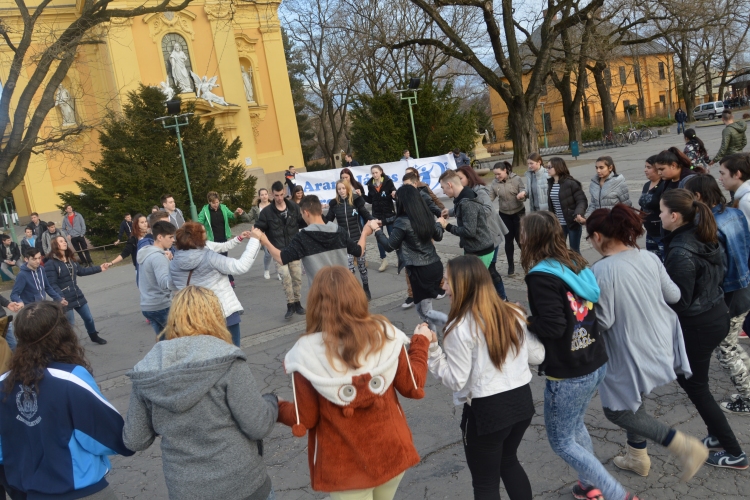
[[218, 40], [653, 88]]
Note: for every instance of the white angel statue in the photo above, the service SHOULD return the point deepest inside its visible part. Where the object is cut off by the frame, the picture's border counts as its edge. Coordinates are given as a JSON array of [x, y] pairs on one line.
[[203, 87], [167, 90]]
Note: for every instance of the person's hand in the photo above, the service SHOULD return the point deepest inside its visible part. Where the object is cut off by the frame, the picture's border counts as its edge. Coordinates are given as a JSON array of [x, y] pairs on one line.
[[12, 262], [239, 211], [580, 219], [367, 230], [444, 213], [116, 242], [168, 254], [257, 234], [15, 306], [393, 194], [521, 195], [8, 262], [424, 330], [374, 225], [442, 222], [105, 266], [246, 234], [64, 302], [359, 192]]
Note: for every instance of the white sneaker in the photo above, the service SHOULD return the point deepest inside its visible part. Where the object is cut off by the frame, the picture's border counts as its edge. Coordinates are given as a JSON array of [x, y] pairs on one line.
[[383, 265], [279, 276], [266, 275]]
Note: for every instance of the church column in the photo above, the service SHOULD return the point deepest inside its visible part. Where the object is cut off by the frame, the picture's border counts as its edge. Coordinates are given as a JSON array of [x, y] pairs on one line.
[[123, 58]]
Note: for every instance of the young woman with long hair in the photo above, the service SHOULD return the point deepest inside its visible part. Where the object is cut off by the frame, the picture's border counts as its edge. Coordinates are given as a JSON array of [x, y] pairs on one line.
[[140, 229], [735, 244], [62, 271], [412, 237], [643, 338], [675, 168], [562, 294], [485, 362], [197, 392], [57, 427], [649, 203], [347, 209], [567, 200], [693, 259], [346, 369], [695, 150], [510, 192], [297, 194], [197, 261], [470, 179], [536, 183], [347, 175], [252, 217], [380, 194], [607, 187]]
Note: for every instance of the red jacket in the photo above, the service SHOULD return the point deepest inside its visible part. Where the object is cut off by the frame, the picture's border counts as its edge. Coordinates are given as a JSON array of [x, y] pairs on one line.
[[367, 441]]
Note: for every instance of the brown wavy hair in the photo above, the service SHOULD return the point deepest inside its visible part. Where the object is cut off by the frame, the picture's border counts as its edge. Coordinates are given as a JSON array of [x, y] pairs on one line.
[[190, 236], [57, 252], [337, 307], [542, 238], [474, 294], [44, 336], [196, 311]]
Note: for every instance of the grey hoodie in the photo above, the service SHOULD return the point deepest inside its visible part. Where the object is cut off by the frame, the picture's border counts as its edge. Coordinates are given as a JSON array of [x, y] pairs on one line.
[[199, 395], [153, 279]]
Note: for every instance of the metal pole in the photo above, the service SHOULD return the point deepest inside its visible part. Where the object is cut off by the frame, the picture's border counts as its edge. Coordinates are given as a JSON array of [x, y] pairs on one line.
[[193, 210], [10, 222], [544, 127], [413, 128]]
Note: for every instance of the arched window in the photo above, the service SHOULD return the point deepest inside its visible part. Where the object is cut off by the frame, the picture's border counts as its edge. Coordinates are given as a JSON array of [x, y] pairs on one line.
[[168, 44]]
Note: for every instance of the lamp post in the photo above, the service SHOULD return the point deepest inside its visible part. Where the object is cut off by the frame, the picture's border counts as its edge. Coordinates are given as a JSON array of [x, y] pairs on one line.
[[412, 100], [544, 126], [180, 120]]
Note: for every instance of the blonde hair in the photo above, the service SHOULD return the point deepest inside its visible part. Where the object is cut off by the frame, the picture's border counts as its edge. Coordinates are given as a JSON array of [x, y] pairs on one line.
[[349, 190], [196, 311]]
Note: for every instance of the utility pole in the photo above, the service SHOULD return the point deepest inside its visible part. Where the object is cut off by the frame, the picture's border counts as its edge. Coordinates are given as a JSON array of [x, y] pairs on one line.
[[412, 100]]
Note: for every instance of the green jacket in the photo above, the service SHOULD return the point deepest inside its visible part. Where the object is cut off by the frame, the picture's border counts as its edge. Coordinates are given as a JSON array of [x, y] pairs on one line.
[[733, 140], [205, 218]]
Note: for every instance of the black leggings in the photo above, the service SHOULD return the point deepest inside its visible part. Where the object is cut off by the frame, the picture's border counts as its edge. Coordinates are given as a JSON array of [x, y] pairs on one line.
[[513, 223], [491, 457], [79, 244]]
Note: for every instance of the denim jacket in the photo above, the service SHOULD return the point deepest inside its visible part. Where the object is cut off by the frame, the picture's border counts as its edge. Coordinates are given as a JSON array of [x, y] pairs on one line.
[[735, 240]]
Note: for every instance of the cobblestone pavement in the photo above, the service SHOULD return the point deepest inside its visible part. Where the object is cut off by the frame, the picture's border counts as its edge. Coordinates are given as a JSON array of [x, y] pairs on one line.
[[442, 472]]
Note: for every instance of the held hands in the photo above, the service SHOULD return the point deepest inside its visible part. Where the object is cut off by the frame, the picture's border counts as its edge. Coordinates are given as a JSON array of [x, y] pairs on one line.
[[246, 234], [239, 211], [424, 330], [442, 222], [374, 225], [444, 213], [521, 195], [257, 234], [105, 266], [15, 306]]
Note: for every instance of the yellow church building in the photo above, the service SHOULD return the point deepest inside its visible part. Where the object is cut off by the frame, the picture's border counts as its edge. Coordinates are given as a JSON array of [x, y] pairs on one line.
[[238, 43]]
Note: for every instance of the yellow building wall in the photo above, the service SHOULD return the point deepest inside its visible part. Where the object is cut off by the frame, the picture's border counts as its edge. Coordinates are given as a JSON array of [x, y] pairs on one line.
[[653, 88], [220, 37]]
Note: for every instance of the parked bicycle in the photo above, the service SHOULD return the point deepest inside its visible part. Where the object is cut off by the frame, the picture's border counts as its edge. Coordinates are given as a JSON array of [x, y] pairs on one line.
[[646, 133], [633, 136], [612, 139]]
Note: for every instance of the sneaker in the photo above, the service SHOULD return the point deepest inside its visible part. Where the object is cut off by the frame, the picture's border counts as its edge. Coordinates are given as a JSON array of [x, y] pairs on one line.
[[734, 397], [724, 459], [582, 493], [408, 303], [383, 265], [95, 338], [736, 407], [266, 275], [441, 296], [712, 443]]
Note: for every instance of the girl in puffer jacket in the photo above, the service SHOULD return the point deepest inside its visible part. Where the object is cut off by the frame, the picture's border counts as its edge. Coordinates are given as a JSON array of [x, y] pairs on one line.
[[607, 188], [347, 209]]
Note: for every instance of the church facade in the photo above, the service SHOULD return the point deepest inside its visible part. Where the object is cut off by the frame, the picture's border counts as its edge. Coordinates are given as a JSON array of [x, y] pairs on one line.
[[226, 56]]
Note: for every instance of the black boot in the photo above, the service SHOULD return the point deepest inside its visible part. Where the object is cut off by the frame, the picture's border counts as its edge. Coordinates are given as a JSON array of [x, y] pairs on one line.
[[95, 338], [289, 311], [511, 268], [299, 309], [366, 288]]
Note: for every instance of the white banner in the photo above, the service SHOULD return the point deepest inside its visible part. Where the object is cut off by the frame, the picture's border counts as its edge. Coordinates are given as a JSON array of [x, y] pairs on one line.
[[323, 183]]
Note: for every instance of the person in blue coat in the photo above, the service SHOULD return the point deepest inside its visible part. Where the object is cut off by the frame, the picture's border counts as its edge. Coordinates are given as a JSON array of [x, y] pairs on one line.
[[56, 427], [31, 283]]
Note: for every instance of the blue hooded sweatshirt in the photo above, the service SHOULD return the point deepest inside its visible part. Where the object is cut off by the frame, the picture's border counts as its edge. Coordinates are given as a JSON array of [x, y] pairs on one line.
[[32, 286], [582, 284]]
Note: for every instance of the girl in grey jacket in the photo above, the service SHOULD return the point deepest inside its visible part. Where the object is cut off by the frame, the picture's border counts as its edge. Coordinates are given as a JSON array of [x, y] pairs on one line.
[[607, 188]]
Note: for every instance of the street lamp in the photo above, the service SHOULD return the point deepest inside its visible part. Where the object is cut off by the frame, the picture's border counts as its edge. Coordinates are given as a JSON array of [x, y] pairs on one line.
[[544, 126], [180, 120], [412, 100]]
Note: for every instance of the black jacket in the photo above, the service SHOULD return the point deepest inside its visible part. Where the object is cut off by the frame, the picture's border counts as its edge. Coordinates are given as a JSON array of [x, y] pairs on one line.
[[425, 192], [404, 240], [131, 249], [347, 215], [649, 202], [64, 283], [696, 268], [680, 116], [573, 347], [572, 199], [3, 304], [382, 202], [471, 224], [11, 252], [280, 230], [126, 228], [38, 230]]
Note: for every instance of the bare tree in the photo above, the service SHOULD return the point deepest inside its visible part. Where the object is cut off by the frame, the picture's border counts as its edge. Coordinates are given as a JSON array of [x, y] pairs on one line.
[[47, 55]]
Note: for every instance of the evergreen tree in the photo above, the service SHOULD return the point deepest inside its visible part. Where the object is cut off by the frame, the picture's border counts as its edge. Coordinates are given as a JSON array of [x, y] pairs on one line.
[[296, 67], [381, 127], [141, 161]]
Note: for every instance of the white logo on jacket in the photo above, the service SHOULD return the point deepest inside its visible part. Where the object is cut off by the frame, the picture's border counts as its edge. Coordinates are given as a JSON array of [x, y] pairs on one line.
[[26, 401]]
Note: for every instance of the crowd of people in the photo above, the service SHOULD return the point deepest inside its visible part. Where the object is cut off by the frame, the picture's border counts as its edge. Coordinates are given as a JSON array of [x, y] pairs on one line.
[[633, 321]]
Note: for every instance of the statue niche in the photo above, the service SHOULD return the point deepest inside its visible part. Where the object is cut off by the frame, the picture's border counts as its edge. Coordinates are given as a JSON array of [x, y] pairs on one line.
[[177, 61]]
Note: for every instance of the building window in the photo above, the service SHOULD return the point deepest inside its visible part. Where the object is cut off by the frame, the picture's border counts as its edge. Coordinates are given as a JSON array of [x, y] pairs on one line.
[[623, 76], [607, 77], [167, 47], [547, 122], [625, 105], [662, 72]]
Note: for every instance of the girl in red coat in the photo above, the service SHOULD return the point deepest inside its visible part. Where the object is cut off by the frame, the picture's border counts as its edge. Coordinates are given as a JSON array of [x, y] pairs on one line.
[[346, 370]]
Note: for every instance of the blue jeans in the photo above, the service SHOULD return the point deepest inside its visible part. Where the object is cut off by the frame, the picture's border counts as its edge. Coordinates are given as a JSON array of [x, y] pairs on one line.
[[565, 404], [158, 319], [85, 313], [380, 248], [10, 337], [574, 237], [235, 331], [497, 279], [680, 127], [655, 246]]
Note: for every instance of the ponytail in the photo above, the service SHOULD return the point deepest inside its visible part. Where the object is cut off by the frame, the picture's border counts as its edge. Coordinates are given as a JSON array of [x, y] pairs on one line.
[[683, 202], [674, 155]]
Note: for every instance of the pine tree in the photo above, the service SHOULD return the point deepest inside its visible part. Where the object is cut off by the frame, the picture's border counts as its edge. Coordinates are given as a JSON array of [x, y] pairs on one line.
[[140, 161], [296, 67]]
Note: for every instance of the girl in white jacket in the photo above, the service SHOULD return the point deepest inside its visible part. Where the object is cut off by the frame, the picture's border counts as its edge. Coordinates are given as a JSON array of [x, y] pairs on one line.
[[485, 361]]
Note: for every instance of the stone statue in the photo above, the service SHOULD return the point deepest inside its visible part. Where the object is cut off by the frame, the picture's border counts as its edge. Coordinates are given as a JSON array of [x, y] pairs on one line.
[[203, 87], [65, 102], [167, 90], [180, 72], [247, 78]]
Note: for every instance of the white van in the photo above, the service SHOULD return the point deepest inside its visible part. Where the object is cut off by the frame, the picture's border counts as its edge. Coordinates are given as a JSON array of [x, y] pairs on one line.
[[709, 110]]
